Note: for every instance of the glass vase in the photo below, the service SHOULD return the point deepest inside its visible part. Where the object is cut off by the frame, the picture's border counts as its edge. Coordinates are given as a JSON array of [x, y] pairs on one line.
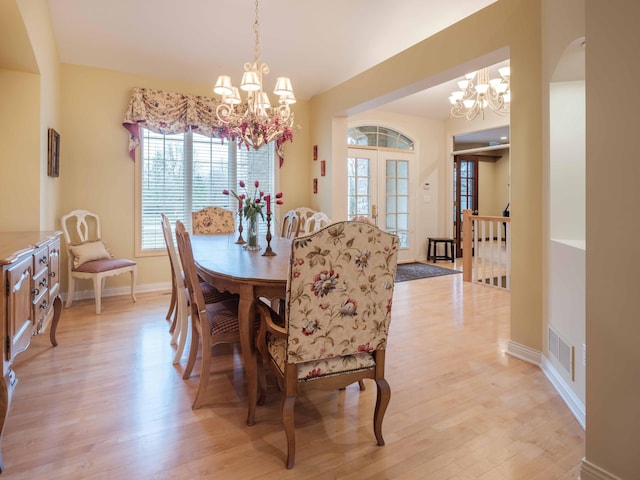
[[252, 233]]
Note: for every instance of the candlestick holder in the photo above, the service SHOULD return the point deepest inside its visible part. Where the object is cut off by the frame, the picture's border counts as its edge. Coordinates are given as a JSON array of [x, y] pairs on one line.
[[268, 251], [240, 240]]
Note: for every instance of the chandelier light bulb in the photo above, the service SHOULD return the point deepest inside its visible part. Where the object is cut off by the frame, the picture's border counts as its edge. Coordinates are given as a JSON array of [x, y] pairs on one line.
[[223, 85]]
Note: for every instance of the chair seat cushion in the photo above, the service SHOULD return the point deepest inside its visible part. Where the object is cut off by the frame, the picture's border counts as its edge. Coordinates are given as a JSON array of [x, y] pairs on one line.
[[213, 295], [320, 368], [223, 316], [105, 265]]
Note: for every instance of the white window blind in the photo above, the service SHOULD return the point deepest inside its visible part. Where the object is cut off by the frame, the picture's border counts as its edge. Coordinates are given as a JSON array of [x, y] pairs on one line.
[[183, 173]]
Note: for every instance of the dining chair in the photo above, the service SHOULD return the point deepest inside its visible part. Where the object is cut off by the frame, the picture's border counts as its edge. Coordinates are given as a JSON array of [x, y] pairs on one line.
[[315, 222], [304, 213], [290, 224], [211, 323], [362, 218], [213, 220], [180, 324], [89, 257], [333, 331]]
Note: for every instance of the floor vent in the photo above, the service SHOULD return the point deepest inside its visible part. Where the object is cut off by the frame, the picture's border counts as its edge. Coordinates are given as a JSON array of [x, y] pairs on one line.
[[562, 352]]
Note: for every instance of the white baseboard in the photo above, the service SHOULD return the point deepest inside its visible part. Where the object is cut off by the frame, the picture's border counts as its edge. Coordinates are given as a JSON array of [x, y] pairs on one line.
[[524, 353], [535, 357], [125, 290], [589, 471], [564, 390]]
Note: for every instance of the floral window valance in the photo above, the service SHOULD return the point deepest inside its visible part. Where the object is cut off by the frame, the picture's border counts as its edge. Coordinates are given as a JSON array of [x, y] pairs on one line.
[[169, 113]]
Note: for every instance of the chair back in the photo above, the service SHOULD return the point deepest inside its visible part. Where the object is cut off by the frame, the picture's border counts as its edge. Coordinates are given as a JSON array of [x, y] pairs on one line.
[[290, 224], [315, 222], [213, 220], [339, 291], [304, 214], [80, 226], [171, 248], [189, 268]]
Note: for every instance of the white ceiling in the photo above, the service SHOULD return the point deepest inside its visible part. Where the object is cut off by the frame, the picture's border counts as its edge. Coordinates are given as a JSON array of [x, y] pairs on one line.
[[317, 44]]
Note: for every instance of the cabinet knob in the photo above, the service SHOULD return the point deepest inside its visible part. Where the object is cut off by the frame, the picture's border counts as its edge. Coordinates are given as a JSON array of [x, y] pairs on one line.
[[52, 274], [44, 305], [44, 259], [35, 292]]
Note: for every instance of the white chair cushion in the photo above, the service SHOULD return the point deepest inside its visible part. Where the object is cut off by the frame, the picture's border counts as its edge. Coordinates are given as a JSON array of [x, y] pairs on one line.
[[87, 252]]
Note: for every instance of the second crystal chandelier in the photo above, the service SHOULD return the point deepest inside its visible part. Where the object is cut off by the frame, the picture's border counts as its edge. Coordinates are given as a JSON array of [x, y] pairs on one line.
[[472, 99]]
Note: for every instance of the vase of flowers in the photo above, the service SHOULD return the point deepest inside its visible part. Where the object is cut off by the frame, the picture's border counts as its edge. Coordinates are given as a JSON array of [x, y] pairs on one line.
[[250, 206]]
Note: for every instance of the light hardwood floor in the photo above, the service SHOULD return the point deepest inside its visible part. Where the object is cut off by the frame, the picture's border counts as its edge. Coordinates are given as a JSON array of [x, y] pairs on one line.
[[107, 403]]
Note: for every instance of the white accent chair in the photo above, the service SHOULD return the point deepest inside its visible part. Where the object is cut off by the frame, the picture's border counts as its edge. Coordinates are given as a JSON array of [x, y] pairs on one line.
[[88, 256]]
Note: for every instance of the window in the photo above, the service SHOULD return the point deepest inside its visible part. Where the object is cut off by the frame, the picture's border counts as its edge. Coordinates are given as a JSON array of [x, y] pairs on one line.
[[358, 187], [185, 172], [377, 136]]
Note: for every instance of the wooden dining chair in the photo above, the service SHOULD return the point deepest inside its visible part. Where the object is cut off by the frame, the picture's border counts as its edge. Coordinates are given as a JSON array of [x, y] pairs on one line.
[[333, 331], [211, 323], [213, 220], [290, 225], [180, 323], [304, 213]]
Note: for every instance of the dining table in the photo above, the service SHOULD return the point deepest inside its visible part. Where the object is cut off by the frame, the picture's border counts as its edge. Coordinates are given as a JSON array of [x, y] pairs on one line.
[[230, 267]]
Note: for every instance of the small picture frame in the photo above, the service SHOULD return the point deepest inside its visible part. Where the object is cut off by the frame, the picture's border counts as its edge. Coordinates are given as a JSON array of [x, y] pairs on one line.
[[315, 185], [315, 153], [323, 168], [53, 153]]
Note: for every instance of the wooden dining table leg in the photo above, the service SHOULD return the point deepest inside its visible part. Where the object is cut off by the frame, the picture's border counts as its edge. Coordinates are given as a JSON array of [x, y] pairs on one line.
[[246, 312]]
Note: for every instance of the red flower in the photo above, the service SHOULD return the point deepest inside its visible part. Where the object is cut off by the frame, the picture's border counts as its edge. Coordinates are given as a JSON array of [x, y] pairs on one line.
[[279, 195], [257, 183], [225, 192], [241, 183]]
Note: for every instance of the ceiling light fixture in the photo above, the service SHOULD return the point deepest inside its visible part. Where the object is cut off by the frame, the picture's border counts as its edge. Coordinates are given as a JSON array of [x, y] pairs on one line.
[[472, 99], [255, 122]]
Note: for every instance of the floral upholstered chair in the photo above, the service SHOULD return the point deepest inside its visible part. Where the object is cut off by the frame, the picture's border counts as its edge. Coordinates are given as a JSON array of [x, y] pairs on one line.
[[333, 331], [213, 220]]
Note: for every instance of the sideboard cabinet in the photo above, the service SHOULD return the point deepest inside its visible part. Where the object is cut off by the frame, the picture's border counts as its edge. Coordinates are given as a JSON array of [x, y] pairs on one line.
[[31, 301]]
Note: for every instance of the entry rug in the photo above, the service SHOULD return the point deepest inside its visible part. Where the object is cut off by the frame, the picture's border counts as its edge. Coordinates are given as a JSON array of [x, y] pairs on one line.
[[414, 271]]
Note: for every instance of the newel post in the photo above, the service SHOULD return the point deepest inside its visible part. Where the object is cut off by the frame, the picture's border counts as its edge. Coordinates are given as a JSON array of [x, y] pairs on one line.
[[467, 248]]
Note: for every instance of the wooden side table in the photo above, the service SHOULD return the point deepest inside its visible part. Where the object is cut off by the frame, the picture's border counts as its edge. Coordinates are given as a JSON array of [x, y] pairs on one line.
[[432, 249]]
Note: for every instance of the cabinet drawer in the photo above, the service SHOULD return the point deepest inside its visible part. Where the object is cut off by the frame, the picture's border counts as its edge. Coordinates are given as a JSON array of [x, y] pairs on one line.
[[40, 260]]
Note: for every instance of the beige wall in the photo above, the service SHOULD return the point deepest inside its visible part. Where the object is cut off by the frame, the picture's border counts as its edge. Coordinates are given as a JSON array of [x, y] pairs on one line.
[[97, 173], [612, 301], [19, 136], [451, 51], [30, 99], [38, 23]]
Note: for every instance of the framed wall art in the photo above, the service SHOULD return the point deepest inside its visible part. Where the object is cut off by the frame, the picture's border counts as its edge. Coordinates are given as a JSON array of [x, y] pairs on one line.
[[53, 153], [323, 168], [315, 153], [315, 185]]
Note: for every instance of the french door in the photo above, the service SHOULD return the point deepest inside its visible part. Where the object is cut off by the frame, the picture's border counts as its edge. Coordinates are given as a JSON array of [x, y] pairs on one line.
[[379, 186], [465, 193]]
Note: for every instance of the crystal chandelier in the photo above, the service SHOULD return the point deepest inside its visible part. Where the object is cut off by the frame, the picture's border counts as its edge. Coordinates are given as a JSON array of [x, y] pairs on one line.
[[473, 99], [255, 122]]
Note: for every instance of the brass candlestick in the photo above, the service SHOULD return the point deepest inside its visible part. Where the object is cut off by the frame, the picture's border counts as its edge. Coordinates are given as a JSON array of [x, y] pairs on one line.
[[240, 240], [268, 252]]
